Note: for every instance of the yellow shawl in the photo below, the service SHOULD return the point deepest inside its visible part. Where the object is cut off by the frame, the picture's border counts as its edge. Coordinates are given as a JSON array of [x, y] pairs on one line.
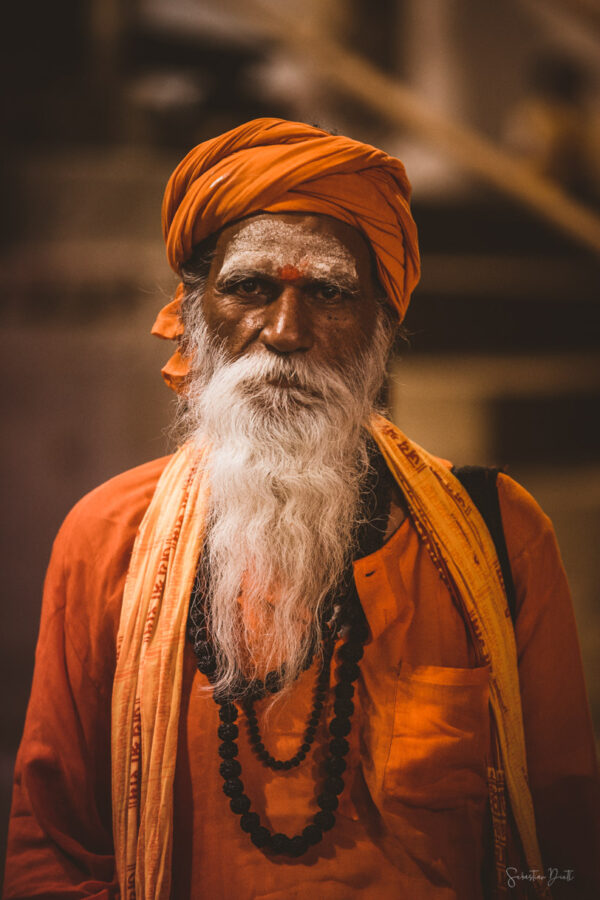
[[147, 686]]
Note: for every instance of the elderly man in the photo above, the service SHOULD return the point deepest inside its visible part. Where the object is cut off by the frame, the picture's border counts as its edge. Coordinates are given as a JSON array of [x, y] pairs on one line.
[[286, 652]]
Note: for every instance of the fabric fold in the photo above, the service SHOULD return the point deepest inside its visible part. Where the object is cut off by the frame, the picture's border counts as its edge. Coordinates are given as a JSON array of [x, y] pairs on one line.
[[147, 685]]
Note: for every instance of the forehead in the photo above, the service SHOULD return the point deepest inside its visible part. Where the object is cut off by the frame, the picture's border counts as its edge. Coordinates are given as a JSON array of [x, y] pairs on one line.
[[311, 244]]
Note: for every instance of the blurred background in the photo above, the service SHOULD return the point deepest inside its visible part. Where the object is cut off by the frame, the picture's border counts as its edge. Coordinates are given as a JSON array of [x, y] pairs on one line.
[[494, 109]]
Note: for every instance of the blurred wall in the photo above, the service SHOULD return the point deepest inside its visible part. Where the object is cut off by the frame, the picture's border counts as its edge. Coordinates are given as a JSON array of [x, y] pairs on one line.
[[104, 96]]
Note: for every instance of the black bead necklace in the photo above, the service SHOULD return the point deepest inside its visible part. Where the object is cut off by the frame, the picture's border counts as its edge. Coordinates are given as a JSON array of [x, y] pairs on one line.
[[352, 620], [312, 724], [327, 800]]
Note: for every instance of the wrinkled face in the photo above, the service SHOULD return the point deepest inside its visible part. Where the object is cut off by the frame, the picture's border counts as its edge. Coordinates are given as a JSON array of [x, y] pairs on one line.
[[292, 284]]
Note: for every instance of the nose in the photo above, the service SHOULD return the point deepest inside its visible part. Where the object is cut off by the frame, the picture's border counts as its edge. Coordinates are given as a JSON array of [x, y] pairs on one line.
[[287, 327]]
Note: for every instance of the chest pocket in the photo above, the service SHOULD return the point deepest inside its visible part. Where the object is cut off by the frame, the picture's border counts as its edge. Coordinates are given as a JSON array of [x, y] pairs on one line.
[[440, 737]]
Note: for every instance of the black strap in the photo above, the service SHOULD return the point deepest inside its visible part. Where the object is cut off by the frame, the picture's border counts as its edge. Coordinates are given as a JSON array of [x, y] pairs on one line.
[[480, 484]]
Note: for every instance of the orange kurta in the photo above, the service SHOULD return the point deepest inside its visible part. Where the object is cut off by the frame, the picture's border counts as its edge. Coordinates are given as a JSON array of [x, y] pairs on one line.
[[412, 820]]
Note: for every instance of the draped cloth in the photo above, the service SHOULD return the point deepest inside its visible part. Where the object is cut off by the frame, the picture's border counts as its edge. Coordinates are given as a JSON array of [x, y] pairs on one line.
[[275, 166], [147, 685]]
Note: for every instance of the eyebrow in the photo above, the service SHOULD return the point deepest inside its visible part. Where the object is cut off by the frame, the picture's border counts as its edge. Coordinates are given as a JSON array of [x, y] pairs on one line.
[[340, 279]]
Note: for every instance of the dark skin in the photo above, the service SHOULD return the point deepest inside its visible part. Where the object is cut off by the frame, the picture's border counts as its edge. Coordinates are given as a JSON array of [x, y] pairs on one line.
[[320, 299]]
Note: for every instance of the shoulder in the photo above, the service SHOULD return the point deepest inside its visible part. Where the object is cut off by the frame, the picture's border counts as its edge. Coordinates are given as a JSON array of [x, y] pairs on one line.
[[525, 523], [90, 558], [115, 507], [93, 547], [538, 572]]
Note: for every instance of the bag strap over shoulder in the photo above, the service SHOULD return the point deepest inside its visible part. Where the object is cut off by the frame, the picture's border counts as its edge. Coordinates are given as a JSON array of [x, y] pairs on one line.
[[480, 482]]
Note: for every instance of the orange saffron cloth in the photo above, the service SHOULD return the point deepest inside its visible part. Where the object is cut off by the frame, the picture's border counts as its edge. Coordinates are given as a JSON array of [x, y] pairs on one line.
[[420, 731], [151, 648]]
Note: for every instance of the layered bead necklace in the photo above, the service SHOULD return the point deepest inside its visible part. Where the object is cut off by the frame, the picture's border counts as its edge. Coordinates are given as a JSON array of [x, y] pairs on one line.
[[345, 615]]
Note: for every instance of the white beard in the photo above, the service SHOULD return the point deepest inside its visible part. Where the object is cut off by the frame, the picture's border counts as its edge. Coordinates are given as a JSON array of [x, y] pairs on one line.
[[286, 468]]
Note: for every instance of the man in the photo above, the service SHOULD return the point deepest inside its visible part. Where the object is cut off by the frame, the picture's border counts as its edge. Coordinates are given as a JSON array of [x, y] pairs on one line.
[[286, 650]]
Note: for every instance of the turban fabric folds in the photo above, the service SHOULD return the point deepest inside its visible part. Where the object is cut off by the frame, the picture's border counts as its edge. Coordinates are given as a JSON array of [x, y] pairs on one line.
[[275, 166]]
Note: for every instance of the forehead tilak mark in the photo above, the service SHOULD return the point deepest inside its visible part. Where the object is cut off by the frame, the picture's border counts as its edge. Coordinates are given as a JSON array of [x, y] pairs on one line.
[[285, 247], [289, 273]]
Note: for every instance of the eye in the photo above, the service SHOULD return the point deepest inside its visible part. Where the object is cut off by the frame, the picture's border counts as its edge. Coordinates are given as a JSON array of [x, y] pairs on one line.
[[248, 286], [329, 292]]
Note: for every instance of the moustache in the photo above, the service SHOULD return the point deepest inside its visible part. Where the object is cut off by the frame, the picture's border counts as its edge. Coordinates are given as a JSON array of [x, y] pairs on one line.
[[284, 374]]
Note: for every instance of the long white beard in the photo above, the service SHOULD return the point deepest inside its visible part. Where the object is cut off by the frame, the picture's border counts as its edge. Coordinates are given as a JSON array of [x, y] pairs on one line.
[[286, 468]]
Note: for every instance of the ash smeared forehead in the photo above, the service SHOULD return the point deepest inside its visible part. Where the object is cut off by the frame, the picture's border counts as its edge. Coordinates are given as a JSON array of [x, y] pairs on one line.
[[273, 245]]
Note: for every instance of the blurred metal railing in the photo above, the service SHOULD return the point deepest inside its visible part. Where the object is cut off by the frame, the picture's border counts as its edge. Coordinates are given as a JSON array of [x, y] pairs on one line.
[[403, 107], [585, 12]]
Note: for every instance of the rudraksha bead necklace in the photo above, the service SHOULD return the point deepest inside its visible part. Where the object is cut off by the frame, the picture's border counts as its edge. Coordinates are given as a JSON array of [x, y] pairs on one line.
[[350, 616], [314, 718], [230, 768]]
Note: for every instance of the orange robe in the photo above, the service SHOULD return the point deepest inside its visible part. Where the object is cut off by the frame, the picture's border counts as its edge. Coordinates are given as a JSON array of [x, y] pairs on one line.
[[413, 819]]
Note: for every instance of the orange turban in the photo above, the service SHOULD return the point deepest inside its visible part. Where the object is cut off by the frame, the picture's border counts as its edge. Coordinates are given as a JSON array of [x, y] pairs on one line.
[[270, 165]]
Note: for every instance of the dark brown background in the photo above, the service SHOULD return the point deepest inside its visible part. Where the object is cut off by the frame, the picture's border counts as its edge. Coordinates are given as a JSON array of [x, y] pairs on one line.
[[100, 100]]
